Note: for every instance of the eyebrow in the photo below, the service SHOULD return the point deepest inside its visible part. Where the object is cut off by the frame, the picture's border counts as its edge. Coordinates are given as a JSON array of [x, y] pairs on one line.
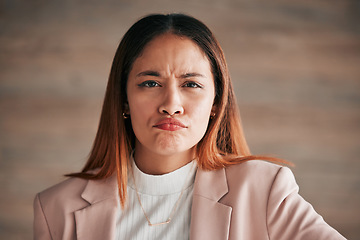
[[148, 73], [157, 74], [189, 75]]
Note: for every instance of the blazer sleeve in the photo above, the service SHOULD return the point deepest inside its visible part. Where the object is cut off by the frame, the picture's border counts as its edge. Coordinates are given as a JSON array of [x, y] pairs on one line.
[[289, 216], [41, 229]]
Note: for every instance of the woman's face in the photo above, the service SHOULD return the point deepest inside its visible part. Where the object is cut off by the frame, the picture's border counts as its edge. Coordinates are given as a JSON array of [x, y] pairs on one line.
[[170, 93]]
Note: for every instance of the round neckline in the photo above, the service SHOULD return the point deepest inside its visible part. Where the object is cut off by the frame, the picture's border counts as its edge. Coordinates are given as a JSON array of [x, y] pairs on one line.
[[165, 184]]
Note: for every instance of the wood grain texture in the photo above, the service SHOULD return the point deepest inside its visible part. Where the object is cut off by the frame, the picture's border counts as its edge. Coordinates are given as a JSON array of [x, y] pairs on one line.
[[294, 64]]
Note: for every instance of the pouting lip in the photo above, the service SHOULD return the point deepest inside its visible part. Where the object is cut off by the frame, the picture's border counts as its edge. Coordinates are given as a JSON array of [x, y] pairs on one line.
[[169, 121]]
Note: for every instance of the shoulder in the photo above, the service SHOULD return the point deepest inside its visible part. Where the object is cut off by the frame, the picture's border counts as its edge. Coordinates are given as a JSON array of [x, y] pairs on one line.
[[71, 184], [259, 177], [54, 207], [255, 178], [256, 169], [64, 194]]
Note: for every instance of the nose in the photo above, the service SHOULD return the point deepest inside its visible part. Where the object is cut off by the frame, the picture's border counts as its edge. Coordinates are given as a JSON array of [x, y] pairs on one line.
[[172, 103]]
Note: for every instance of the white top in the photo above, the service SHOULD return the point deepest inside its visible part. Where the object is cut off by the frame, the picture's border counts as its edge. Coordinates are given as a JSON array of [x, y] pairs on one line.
[[158, 195]]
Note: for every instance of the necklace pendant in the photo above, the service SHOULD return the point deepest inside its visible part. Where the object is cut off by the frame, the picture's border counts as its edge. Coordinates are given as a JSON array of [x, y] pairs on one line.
[[160, 223]]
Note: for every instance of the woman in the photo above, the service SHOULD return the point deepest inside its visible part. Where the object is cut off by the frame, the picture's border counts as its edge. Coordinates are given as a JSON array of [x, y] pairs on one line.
[[170, 160]]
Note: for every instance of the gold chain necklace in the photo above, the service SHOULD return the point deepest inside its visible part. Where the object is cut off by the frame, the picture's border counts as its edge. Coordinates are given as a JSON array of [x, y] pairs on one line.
[[173, 209]]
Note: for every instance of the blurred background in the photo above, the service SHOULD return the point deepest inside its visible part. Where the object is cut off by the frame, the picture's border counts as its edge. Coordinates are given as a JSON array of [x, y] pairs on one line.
[[295, 66]]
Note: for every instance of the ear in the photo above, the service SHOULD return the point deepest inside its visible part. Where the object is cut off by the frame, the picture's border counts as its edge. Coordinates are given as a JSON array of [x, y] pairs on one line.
[[213, 112], [214, 109], [126, 108]]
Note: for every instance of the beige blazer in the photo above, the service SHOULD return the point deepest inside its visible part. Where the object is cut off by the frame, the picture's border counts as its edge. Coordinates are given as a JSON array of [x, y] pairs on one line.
[[252, 200]]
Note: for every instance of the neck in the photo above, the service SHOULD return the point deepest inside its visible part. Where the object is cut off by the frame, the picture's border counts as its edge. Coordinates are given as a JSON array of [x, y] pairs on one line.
[[156, 164]]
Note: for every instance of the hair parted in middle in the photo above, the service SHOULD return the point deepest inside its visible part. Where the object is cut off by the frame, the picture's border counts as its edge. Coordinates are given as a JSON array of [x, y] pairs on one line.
[[223, 144]]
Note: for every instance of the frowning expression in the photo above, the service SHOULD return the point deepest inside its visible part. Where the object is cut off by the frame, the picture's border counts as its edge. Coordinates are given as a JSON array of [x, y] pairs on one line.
[[170, 93]]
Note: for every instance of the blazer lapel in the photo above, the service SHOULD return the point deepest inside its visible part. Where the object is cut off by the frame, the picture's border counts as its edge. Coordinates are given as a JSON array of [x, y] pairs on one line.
[[98, 220], [210, 219]]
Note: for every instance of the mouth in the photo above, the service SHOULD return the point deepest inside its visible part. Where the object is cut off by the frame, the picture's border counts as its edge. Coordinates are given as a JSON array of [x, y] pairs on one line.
[[169, 124]]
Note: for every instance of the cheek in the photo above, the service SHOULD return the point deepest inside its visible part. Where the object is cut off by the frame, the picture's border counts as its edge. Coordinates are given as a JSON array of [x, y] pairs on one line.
[[140, 111], [137, 105], [136, 110], [201, 112]]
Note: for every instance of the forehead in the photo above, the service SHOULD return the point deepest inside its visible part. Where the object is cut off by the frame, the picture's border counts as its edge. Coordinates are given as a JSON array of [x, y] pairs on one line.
[[171, 48], [166, 39]]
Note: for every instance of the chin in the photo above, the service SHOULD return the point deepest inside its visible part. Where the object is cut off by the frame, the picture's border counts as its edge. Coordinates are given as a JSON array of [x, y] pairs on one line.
[[171, 150]]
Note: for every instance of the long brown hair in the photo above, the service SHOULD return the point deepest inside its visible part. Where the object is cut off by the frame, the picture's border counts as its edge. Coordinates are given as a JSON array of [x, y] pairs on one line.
[[223, 144]]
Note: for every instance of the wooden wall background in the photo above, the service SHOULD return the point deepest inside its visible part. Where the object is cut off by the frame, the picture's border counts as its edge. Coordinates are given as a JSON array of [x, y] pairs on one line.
[[295, 66]]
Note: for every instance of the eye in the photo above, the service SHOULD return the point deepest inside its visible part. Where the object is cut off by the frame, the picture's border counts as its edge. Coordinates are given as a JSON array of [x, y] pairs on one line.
[[149, 84], [192, 85]]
